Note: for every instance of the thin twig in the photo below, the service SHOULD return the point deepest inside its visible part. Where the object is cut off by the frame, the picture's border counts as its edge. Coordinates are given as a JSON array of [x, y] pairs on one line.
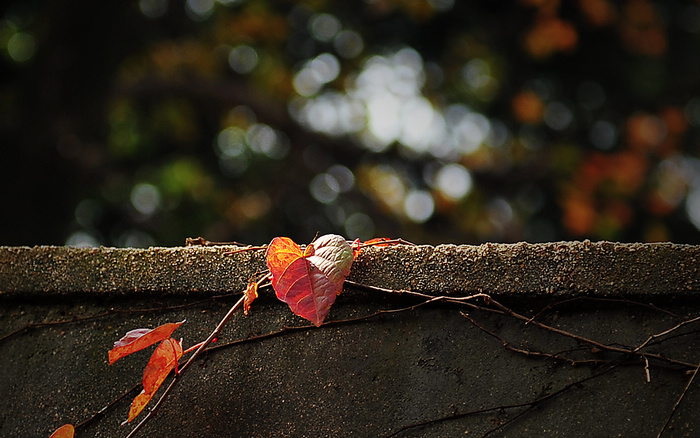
[[554, 356], [531, 403], [386, 242], [678, 402], [201, 241], [413, 293], [327, 324], [665, 332], [209, 339], [674, 336], [101, 413], [603, 299], [110, 312]]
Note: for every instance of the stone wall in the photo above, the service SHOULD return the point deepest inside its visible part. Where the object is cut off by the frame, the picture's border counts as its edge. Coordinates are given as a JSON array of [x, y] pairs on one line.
[[438, 369]]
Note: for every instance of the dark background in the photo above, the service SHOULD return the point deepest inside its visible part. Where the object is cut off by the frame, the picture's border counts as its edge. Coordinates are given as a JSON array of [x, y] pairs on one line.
[[143, 123]]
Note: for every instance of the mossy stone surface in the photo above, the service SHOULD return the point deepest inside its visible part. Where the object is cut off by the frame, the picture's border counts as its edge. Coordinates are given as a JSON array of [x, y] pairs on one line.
[[602, 268]]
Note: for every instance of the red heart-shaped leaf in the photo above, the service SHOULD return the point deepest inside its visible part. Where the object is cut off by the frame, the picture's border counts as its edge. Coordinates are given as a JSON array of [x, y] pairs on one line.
[[308, 281]]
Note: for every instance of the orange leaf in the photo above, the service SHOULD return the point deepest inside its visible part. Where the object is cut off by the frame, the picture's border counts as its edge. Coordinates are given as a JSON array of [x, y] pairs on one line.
[[251, 293], [140, 402], [65, 431], [139, 339], [162, 361], [284, 252], [309, 281]]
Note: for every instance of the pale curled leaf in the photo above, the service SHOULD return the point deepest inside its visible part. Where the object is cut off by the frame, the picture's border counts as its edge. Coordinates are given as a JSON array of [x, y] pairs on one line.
[[139, 339], [333, 256]]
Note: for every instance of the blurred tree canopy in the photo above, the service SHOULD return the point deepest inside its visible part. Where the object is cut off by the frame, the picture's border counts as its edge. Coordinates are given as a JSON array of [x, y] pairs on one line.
[[142, 123]]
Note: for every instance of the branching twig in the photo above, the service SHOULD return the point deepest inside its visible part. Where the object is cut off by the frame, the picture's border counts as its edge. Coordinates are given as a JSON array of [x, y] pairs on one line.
[[553, 356], [493, 305], [665, 332], [599, 345]]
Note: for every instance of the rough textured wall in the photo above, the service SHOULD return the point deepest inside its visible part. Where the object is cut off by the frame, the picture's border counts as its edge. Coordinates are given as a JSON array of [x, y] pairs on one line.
[[603, 268], [368, 376]]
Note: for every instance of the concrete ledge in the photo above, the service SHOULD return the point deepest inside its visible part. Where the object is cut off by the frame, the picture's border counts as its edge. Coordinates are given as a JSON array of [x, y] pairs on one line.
[[604, 269]]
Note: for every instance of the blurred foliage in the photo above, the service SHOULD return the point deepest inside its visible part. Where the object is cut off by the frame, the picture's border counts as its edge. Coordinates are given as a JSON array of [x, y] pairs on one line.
[[142, 123]]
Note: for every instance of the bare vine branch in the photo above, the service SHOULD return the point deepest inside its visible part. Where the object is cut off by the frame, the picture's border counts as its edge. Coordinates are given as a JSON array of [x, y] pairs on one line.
[[555, 356]]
